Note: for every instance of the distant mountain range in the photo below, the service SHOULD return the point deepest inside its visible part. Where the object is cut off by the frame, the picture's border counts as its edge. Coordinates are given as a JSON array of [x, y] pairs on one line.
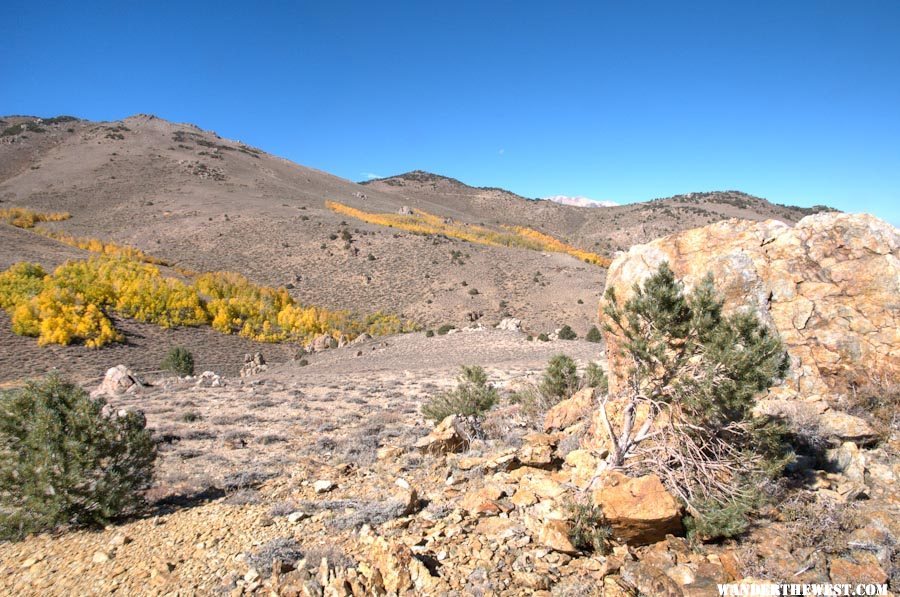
[[580, 201]]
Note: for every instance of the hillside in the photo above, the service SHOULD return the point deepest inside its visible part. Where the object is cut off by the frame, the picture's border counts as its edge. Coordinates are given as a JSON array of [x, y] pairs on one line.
[[375, 467], [614, 228], [203, 203]]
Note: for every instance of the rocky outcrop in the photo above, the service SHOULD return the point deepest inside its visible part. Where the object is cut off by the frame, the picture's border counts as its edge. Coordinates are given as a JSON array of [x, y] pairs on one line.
[[570, 411], [830, 285], [321, 343], [510, 324]]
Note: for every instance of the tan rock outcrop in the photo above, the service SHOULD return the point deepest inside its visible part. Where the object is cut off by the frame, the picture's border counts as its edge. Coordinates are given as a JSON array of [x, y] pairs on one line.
[[830, 285], [118, 380]]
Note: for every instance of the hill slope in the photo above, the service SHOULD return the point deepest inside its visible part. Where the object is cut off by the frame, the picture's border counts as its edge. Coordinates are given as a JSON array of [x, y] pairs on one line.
[[205, 203], [614, 228]]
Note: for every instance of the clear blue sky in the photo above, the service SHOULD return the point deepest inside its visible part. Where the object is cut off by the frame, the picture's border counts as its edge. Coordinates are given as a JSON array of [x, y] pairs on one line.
[[795, 101]]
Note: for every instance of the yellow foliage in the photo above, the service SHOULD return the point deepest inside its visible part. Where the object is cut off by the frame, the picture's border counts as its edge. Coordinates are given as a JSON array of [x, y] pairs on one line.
[[420, 222], [22, 217], [72, 304], [549, 243], [95, 245], [19, 283]]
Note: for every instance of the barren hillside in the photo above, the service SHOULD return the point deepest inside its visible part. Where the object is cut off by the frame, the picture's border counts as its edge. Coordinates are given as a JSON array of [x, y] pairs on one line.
[[204, 203], [607, 229]]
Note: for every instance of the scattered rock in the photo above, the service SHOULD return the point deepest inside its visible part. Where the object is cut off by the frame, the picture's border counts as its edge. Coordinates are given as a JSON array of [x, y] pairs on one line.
[[100, 557], [555, 535], [847, 427], [847, 460], [570, 411], [843, 571], [323, 486], [253, 364], [388, 453], [538, 451], [208, 379], [510, 324], [322, 343], [445, 438], [648, 580], [640, 511]]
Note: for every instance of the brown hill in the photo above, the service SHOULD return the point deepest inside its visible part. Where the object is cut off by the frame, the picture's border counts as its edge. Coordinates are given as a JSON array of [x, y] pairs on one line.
[[206, 203], [607, 230]]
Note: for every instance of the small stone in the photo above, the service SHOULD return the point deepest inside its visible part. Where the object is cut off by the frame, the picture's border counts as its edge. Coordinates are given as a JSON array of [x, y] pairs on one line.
[[445, 438], [555, 535], [323, 486], [100, 557], [252, 575], [295, 517], [120, 539], [388, 453]]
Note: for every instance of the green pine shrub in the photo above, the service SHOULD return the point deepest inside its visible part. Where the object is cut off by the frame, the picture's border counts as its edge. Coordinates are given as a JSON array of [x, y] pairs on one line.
[[472, 397], [589, 530], [566, 333], [694, 373], [560, 379], [64, 462], [179, 361], [593, 335], [595, 377]]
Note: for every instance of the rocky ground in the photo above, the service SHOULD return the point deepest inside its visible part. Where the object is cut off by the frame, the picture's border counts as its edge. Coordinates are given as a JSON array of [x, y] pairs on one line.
[[330, 471]]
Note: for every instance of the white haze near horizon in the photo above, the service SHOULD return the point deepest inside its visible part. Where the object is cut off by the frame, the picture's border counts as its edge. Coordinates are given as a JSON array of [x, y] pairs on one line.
[[580, 201]]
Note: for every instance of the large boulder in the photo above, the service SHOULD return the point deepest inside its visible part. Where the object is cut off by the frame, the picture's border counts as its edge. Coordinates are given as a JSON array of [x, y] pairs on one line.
[[566, 413], [830, 285], [118, 380]]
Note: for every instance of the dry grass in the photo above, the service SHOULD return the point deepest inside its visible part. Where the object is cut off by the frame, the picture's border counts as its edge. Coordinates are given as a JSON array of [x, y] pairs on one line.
[[877, 400]]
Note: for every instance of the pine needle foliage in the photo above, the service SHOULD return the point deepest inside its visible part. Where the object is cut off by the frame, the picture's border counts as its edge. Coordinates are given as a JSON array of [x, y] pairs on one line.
[[64, 462], [687, 397], [472, 397], [560, 379], [179, 361]]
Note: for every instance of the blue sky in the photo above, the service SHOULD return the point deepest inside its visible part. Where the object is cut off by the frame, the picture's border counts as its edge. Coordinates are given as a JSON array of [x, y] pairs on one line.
[[797, 101]]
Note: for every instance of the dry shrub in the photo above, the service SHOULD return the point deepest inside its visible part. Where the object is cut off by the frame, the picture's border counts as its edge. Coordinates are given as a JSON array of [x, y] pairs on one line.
[[820, 523], [877, 400]]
